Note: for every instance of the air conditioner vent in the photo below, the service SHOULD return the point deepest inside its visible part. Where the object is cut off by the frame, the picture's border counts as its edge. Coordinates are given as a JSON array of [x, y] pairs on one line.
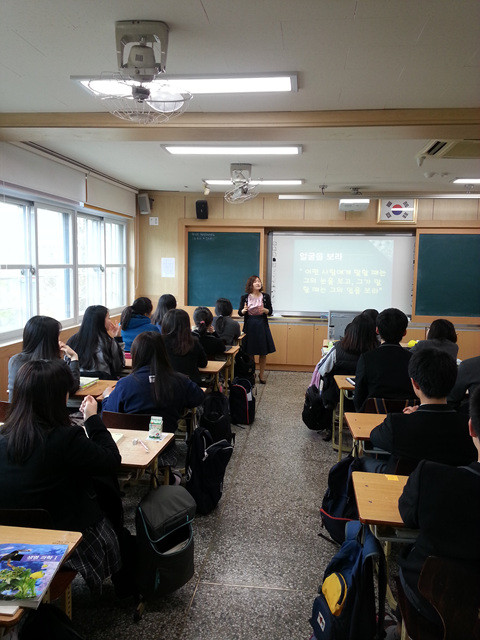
[[453, 149]]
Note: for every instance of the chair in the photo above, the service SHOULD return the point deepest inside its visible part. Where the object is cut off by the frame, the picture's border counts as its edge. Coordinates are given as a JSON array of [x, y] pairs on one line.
[[388, 405], [4, 407], [135, 421]]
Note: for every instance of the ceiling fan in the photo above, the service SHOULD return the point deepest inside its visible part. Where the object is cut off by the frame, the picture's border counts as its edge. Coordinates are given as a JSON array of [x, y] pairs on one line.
[[242, 190], [137, 92]]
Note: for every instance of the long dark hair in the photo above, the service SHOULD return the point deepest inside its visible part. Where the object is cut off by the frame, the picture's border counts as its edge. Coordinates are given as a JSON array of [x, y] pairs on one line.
[[140, 306], [176, 325], [442, 329], [249, 285], [223, 309], [165, 303], [203, 318], [38, 405], [91, 334], [40, 338], [360, 335], [148, 349]]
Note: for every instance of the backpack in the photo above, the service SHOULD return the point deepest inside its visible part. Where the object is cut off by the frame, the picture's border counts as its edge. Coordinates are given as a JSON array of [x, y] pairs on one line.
[[244, 367], [216, 417], [242, 401], [206, 464], [315, 415], [339, 504], [345, 608]]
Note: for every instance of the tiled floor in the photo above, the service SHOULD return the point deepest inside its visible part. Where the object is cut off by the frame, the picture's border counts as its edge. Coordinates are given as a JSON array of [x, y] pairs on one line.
[[258, 557]]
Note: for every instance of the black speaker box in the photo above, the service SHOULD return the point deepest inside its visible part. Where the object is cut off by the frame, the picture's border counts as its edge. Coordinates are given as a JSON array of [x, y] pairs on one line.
[[202, 209]]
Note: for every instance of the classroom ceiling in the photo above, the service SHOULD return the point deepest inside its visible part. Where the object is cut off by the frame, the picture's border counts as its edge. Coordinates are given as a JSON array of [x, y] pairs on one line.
[[367, 72]]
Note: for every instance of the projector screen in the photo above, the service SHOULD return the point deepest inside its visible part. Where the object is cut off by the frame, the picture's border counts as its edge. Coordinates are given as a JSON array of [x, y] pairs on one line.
[[311, 273]]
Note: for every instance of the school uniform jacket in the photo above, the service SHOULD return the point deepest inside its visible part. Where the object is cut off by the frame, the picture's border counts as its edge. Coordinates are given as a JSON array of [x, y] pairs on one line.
[[212, 344], [433, 432], [468, 376], [187, 364]]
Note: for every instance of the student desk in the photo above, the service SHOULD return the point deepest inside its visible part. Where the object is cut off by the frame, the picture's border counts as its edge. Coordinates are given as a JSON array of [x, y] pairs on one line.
[[344, 386], [137, 456], [27, 535], [361, 424], [96, 389], [377, 497], [213, 368], [230, 354]]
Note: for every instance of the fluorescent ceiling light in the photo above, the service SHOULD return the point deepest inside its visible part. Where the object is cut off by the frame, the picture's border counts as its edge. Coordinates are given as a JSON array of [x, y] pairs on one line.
[[234, 151], [269, 183], [355, 201], [467, 181]]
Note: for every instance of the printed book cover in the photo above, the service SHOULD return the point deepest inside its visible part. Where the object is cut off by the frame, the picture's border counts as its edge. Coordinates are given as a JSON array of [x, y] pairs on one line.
[[26, 572]]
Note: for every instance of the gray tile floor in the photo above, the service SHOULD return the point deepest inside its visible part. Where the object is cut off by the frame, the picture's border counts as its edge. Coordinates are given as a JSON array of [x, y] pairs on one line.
[[258, 557]]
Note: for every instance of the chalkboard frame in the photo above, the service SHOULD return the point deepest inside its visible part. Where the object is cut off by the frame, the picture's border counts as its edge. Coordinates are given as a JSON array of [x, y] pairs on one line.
[[474, 320]]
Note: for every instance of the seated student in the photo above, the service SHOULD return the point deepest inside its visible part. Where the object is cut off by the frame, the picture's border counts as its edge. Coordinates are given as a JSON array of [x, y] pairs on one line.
[[468, 376], [382, 372], [135, 319], [166, 302], [47, 463], [227, 328], [98, 344], [184, 350], [41, 342], [441, 335], [431, 431], [212, 344], [443, 502], [153, 387]]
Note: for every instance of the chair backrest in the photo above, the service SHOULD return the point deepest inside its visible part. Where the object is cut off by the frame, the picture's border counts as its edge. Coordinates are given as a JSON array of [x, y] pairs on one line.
[[388, 405], [114, 420], [454, 590], [4, 407], [417, 626], [36, 518]]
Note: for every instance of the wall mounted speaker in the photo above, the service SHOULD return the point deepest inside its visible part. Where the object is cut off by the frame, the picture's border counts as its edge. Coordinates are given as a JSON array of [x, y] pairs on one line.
[[143, 203], [202, 209]]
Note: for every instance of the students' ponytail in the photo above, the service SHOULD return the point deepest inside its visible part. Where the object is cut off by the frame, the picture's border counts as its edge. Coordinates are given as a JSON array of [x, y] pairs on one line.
[[203, 318], [140, 306]]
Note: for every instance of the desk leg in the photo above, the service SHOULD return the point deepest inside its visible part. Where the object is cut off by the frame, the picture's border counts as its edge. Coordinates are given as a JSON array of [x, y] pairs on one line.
[[340, 425], [232, 366]]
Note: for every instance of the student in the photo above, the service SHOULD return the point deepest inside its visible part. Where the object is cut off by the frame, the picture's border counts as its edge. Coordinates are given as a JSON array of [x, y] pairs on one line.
[[468, 376], [47, 463], [153, 387], [41, 342], [443, 502], [227, 328], [184, 350], [212, 344], [383, 372], [441, 335], [255, 306], [135, 319], [431, 431], [98, 344], [165, 303]]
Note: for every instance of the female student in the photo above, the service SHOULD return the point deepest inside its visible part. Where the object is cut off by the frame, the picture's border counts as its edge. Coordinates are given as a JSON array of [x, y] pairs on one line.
[[48, 463], [135, 319], [165, 303], [212, 344], [41, 341], [184, 350], [255, 306], [98, 344], [227, 328], [441, 335], [153, 387]]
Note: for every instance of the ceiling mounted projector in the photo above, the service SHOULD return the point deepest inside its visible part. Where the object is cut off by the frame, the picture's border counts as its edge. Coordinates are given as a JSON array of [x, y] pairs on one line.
[[353, 204]]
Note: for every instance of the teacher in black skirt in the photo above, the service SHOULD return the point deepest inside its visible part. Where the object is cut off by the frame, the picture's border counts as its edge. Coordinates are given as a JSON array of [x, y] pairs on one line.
[[255, 306]]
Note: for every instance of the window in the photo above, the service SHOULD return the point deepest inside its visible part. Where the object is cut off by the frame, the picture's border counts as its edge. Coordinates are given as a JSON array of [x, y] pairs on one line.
[[56, 261]]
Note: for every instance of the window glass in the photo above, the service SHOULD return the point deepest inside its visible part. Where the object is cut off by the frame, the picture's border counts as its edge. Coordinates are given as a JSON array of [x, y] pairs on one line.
[[115, 243], [115, 286], [89, 240], [15, 287], [90, 287], [54, 237], [14, 234], [55, 293]]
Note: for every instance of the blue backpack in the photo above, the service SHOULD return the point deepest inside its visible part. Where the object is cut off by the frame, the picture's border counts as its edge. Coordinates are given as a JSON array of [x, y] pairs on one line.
[[345, 608]]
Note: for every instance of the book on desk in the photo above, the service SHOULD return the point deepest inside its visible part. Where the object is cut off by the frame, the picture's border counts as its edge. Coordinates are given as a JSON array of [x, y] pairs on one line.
[[87, 382]]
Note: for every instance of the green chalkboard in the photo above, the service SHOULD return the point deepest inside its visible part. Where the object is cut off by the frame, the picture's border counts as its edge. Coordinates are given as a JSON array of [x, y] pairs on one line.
[[448, 275], [219, 264]]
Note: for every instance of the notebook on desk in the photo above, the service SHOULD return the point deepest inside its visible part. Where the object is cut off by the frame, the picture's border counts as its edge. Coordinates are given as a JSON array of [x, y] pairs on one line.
[[87, 382], [116, 436]]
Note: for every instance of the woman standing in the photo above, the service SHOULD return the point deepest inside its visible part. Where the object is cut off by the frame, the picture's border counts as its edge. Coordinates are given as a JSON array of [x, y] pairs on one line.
[[255, 306]]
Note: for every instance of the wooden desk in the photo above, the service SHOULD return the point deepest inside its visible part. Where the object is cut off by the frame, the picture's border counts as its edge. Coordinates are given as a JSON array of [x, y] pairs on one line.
[[136, 456], [344, 386], [230, 355], [361, 424], [96, 389], [377, 497], [27, 535], [213, 368], [240, 338]]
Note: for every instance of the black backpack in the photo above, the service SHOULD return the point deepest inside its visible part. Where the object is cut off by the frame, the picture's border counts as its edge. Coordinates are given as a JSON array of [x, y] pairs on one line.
[[315, 415], [216, 417], [206, 464], [242, 401], [339, 505], [346, 606], [244, 367]]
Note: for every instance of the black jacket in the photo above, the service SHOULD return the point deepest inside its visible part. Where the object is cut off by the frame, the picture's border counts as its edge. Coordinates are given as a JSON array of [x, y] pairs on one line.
[[267, 303], [189, 363]]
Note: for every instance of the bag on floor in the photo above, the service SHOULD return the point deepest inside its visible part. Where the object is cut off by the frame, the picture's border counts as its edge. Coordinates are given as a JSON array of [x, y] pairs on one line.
[[244, 367], [315, 415], [164, 549], [339, 505], [48, 621], [206, 465], [242, 401], [345, 608], [216, 417]]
